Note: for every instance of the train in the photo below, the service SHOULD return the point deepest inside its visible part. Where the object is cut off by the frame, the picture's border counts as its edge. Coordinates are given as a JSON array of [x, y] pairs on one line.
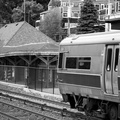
[[89, 73]]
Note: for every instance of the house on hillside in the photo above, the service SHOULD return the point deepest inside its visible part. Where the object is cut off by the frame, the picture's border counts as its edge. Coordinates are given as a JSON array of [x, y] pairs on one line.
[[27, 56], [63, 6], [113, 22]]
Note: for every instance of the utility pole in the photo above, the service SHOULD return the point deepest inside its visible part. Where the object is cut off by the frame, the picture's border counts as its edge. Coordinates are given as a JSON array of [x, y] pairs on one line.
[[109, 13], [69, 16], [24, 12]]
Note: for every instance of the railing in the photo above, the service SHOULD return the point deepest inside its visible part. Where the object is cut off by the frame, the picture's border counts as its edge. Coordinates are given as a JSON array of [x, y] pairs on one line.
[[38, 78]]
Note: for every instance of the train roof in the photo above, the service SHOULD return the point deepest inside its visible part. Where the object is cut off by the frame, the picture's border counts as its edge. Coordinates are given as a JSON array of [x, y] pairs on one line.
[[110, 37]]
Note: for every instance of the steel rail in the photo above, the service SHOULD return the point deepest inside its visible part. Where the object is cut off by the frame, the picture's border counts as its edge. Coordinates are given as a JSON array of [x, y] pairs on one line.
[[22, 97], [34, 97], [9, 116], [63, 110], [25, 109]]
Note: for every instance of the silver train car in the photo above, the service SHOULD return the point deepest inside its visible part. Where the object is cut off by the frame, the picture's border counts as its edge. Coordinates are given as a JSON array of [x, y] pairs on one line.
[[89, 73]]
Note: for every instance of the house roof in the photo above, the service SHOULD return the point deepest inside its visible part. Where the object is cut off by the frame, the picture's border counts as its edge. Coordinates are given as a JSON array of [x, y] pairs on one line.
[[96, 1], [112, 20], [22, 38]]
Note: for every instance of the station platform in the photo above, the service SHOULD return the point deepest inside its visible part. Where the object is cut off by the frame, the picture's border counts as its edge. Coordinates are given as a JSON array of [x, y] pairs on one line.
[[23, 89]]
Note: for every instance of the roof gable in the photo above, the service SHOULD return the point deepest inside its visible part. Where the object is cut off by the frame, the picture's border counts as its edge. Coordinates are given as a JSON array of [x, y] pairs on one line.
[[22, 38], [8, 31], [27, 34]]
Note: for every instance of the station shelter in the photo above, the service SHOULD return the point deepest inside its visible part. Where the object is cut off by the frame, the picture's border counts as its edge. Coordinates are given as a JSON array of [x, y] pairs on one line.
[[28, 57]]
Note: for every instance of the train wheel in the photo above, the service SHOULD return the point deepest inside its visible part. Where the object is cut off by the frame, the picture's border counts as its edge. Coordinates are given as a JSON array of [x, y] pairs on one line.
[[113, 113]]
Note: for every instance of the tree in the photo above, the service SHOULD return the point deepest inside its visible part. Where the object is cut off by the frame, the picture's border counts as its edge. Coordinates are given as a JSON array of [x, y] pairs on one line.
[[44, 3], [88, 18], [5, 12], [55, 3], [51, 25], [32, 12], [8, 15]]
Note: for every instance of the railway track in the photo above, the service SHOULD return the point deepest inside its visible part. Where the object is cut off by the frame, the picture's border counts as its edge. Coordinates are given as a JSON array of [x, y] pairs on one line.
[[17, 111], [23, 96], [60, 109]]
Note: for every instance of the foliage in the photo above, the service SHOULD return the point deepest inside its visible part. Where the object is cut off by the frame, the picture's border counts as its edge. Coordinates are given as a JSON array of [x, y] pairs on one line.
[[5, 12], [55, 3], [32, 12], [88, 18], [7, 6], [51, 25], [18, 14], [44, 3]]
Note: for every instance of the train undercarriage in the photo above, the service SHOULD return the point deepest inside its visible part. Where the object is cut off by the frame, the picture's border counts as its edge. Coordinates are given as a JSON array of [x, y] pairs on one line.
[[93, 107]]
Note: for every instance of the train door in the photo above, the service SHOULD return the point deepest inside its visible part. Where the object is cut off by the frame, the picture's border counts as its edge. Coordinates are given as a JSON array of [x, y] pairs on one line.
[[111, 69]]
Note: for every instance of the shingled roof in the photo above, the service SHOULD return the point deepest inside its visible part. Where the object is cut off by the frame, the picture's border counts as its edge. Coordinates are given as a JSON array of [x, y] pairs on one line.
[[22, 38]]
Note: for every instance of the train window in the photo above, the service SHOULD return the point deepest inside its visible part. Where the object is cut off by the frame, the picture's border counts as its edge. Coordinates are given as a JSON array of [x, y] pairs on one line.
[[78, 62], [116, 59], [71, 62], [60, 60], [84, 63], [109, 58]]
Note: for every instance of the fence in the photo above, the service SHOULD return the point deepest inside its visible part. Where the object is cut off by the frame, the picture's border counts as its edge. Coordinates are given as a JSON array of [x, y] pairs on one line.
[[41, 79]]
